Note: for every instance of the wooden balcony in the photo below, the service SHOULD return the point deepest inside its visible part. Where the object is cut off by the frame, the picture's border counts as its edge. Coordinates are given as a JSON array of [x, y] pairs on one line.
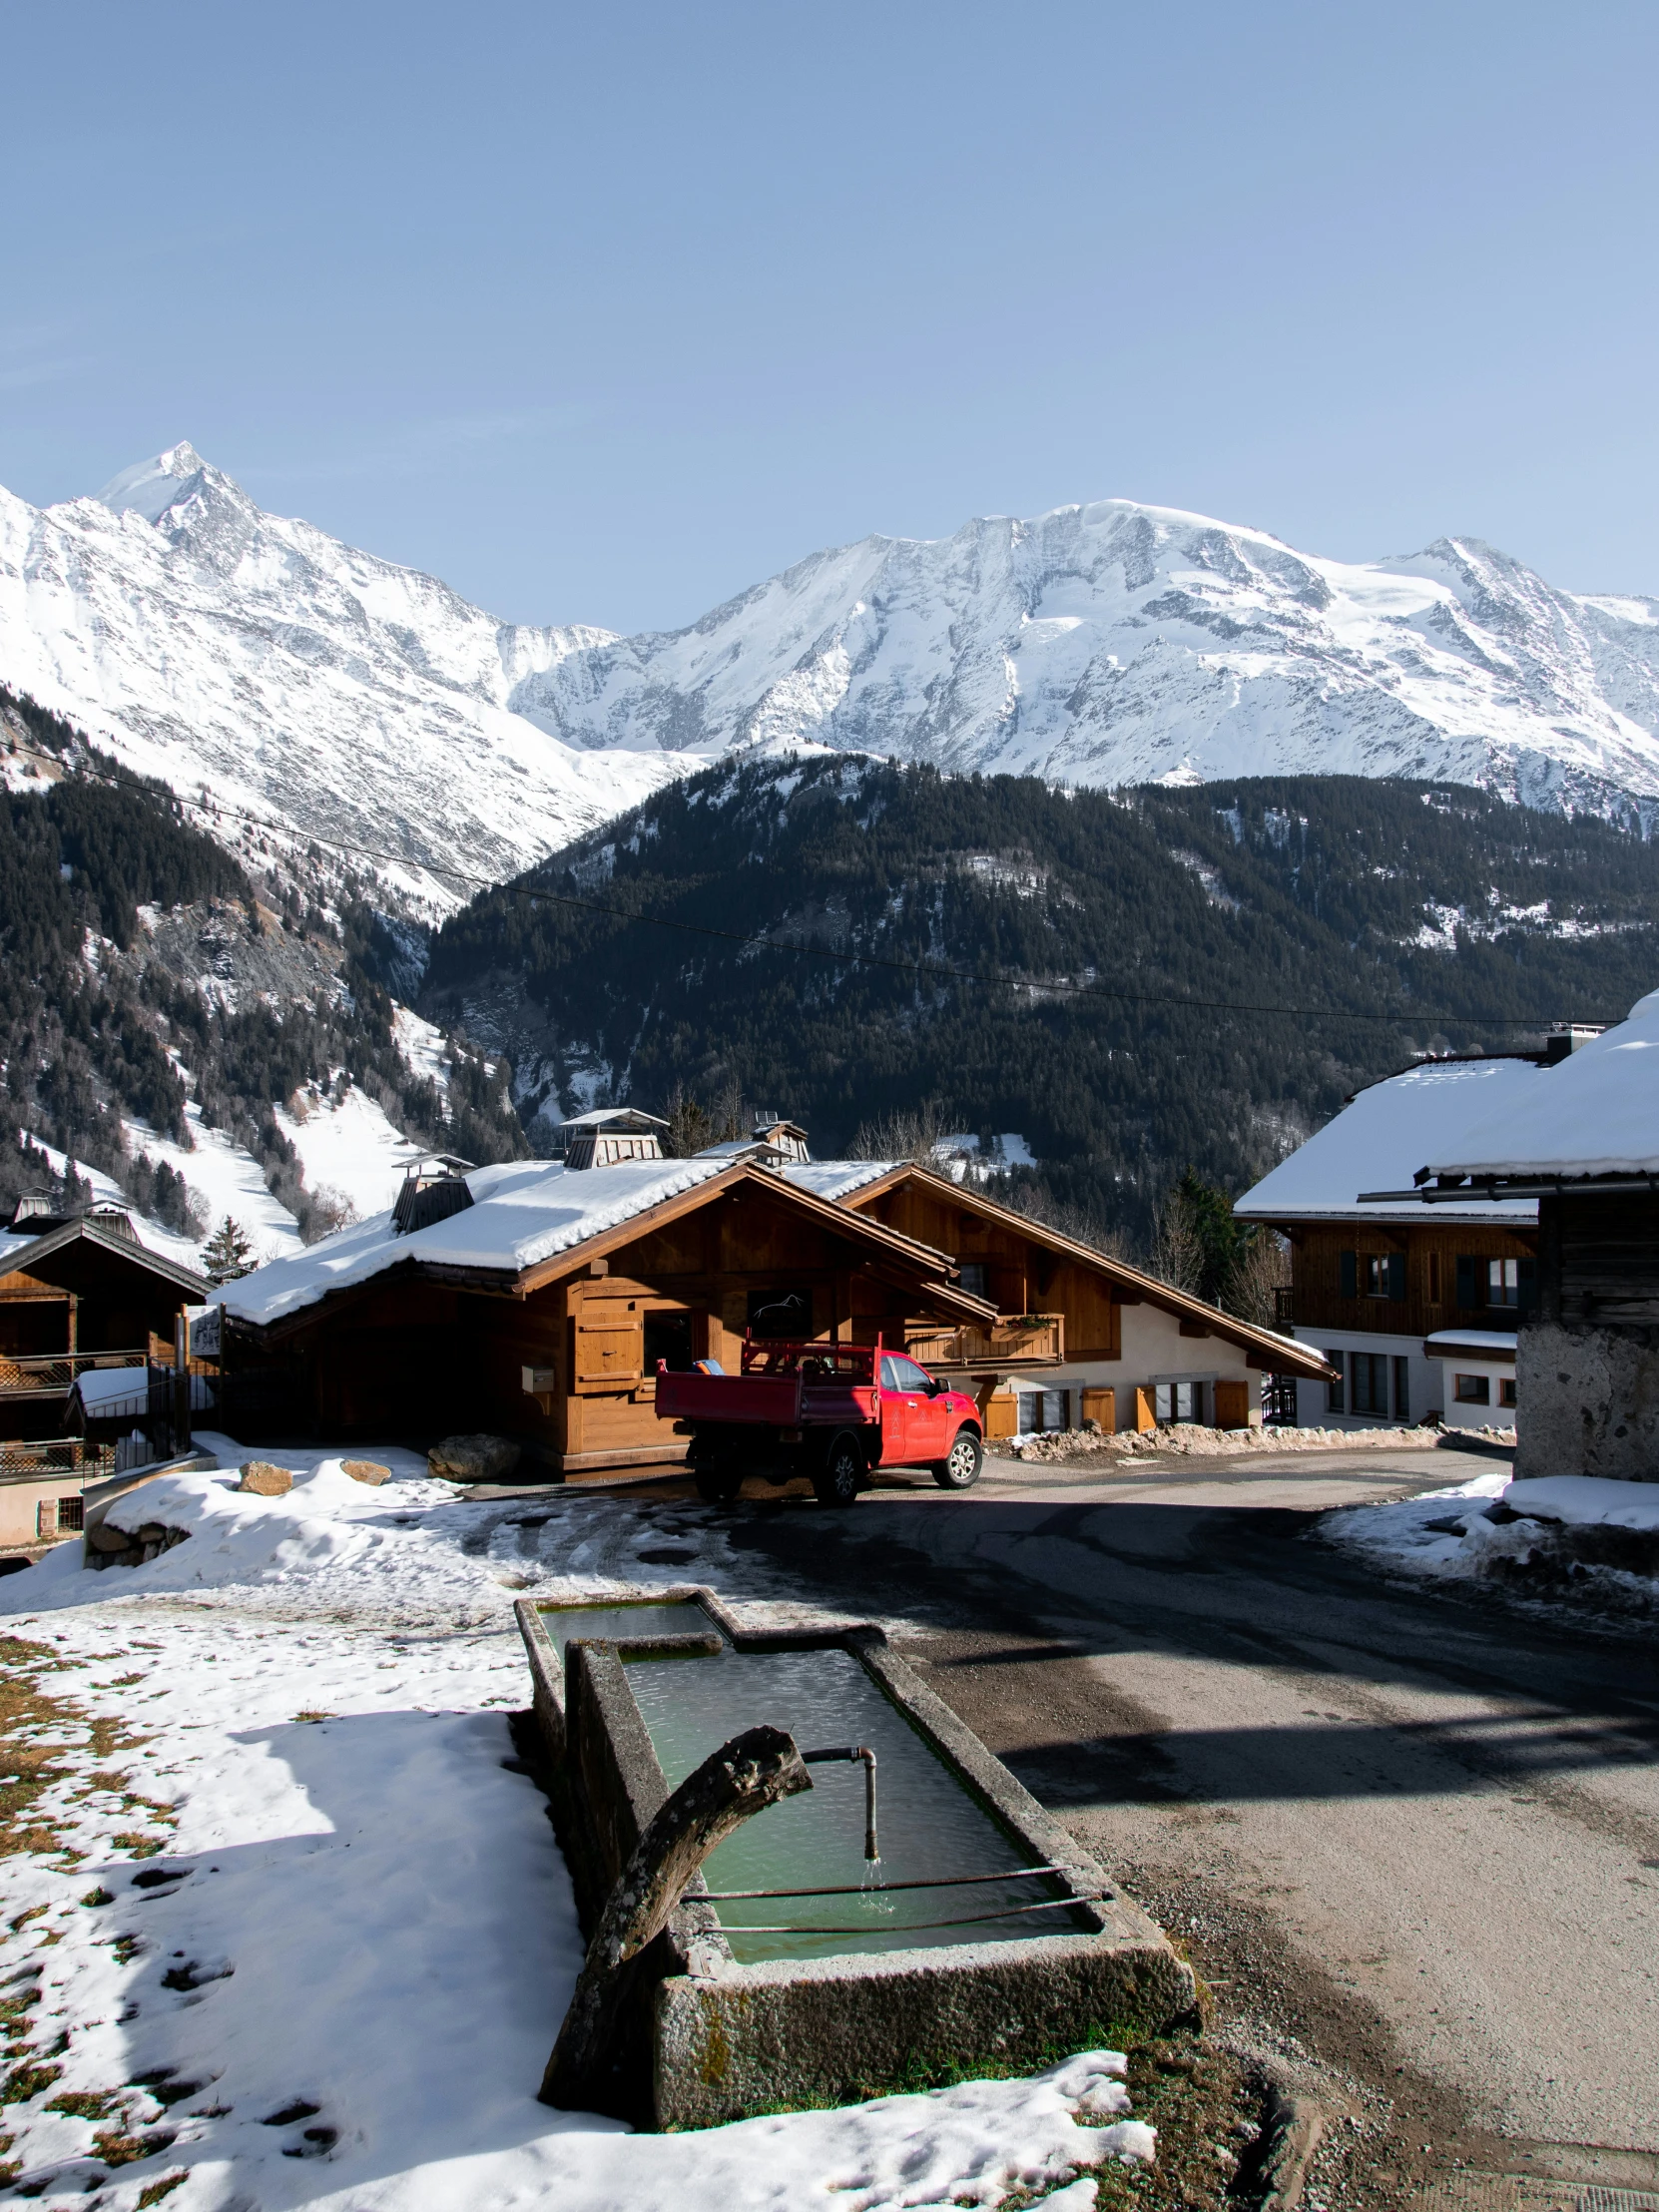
[[1013, 1340], [54, 1373], [70, 1457]]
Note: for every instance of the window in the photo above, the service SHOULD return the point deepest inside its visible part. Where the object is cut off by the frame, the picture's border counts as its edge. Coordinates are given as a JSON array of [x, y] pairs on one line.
[[1178, 1401], [1403, 1390], [1502, 1281], [1371, 1381], [1040, 1410], [668, 1336], [1383, 1274], [1471, 1389], [972, 1273], [1335, 1399], [1506, 1390], [902, 1374], [1433, 1279], [72, 1512], [780, 1313]]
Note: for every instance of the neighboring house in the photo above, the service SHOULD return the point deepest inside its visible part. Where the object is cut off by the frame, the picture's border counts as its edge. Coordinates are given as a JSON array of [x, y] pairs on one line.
[[1582, 1146], [79, 1295], [1116, 1346], [1419, 1313], [534, 1299]]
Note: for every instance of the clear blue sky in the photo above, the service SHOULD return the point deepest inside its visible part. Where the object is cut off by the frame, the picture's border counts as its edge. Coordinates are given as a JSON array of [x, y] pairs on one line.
[[604, 314]]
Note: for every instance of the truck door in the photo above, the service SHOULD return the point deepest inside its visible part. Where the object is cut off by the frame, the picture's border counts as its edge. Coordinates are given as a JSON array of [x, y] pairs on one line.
[[923, 1418]]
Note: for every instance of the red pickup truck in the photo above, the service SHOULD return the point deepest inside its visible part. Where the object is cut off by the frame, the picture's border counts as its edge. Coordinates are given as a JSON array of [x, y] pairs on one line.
[[829, 1413]]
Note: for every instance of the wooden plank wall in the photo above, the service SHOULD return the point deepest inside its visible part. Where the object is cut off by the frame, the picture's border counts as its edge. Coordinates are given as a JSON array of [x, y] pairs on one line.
[[1316, 1272], [1601, 1261]]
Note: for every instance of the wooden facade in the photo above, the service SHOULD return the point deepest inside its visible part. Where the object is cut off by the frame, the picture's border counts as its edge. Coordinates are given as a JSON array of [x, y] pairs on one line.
[[1599, 1260], [1093, 1312], [1424, 1279], [80, 1291], [562, 1357]]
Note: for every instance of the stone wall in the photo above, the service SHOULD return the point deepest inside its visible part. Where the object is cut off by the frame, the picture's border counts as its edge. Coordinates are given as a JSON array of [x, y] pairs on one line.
[[1590, 1399]]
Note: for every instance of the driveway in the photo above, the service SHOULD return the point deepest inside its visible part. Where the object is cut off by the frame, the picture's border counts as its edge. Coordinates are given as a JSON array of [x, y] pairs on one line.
[[1411, 1835]]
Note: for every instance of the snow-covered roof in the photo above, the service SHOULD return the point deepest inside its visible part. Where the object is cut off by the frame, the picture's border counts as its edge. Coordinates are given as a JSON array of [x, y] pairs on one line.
[[1380, 1140], [10, 1244], [1597, 1113], [833, 1179], [113, 1392], [1498, 1341], [523, 1212]]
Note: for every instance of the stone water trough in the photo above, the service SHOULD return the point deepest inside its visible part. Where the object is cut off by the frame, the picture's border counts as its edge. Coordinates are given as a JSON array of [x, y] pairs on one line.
[[799, 1968]]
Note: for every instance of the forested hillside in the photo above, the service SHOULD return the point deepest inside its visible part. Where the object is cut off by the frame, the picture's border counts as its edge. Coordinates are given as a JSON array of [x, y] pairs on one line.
[[1157, 978], [140, 966]]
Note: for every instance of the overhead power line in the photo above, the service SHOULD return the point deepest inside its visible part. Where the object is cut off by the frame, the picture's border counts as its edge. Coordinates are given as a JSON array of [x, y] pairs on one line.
[[761, 940]]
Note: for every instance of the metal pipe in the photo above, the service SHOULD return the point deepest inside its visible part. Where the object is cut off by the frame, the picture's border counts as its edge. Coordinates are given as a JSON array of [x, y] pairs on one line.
[[854, 1753]]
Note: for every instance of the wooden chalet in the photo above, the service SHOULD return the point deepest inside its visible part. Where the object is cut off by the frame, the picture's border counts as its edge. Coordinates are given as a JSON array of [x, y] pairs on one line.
[[539, 1307], [78, 1293]]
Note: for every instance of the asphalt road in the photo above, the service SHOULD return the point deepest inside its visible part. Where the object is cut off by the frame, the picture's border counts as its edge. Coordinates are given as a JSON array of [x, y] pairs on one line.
[[1412, 1833]]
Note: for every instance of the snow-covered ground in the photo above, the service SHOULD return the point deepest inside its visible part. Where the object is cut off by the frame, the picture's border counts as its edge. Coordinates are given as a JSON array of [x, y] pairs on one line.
[[347, 1997], [347, 1149], [1530, 1535]]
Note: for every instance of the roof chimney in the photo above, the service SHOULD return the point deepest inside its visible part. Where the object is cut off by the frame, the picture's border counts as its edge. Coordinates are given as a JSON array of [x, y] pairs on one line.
[[1561, 1043]]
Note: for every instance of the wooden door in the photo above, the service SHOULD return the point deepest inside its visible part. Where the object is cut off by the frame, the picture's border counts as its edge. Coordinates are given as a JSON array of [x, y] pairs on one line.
[[1231, 1404]]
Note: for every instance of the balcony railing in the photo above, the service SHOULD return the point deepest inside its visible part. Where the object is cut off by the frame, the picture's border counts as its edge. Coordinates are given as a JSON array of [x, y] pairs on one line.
[[70, 1457], [1014, 1339], [48, 1374]]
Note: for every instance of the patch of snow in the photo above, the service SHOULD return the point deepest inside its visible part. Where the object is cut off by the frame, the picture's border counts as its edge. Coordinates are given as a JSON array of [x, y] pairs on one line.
[[227, 1179], [347, 1148], [1584, 1501]]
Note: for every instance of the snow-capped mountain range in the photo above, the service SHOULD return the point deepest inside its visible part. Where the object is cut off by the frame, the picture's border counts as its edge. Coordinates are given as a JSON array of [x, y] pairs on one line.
[[215, 645]]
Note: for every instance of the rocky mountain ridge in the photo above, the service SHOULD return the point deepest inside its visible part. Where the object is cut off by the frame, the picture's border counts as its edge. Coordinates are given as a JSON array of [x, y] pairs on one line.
[[345, 698]]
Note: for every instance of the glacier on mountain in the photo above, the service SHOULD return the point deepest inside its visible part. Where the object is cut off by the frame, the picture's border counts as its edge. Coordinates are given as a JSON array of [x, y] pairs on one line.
[[347, 698]]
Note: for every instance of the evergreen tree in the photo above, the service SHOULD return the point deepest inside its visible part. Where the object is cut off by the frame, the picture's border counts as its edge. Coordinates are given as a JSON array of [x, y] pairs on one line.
[[226, 1254]]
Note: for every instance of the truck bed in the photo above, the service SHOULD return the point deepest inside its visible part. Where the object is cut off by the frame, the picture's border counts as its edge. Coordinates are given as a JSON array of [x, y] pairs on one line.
[[773, 1401]]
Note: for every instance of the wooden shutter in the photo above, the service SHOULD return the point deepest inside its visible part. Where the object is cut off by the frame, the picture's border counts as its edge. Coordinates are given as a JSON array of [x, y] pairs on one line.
[[1397, 1274], [1349, 1267], [1526, 1292], [1468, 1293], [610, 1351]]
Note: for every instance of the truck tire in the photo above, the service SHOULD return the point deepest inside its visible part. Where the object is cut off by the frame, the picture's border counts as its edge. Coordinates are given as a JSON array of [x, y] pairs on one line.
[[842, 1476], [718, 1484], [961, 1471]]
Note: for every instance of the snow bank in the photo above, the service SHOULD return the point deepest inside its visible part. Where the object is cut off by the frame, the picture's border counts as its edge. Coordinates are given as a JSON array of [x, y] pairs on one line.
[[1583, 1501]]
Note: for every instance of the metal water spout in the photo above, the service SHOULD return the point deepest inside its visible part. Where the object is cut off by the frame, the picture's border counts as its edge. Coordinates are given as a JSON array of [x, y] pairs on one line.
[[854, 1753]]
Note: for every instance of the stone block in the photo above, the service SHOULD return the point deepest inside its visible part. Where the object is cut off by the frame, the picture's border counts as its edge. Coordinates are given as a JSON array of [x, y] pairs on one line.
[[365, 1470], [473, 1458], [265, 1481]]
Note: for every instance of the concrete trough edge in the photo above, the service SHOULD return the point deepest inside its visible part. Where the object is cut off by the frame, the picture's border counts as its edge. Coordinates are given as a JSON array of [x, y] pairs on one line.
[[728, 2039]]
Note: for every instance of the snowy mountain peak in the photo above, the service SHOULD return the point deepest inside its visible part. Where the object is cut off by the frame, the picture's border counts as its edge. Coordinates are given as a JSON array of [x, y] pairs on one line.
[[1104, 643], [149, 488]]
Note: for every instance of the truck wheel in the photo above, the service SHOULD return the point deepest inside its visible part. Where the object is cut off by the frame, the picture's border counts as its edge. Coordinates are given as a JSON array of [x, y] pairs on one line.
[[840, 1480], [717, 1485], [961, 1471]]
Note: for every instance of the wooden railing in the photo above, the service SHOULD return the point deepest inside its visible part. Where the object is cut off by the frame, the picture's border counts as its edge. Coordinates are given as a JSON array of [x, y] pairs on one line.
[[1013, 1340], [56, 1456], [47, 1371]]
